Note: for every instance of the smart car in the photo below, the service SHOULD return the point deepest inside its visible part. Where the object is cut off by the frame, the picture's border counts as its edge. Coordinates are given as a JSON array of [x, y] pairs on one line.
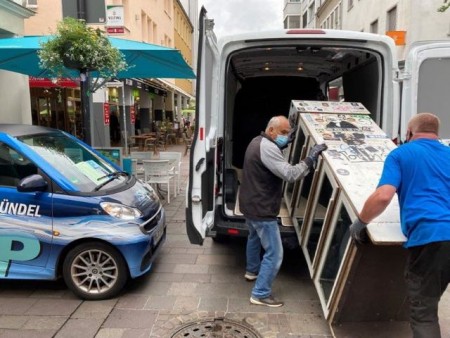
[[65, 210]]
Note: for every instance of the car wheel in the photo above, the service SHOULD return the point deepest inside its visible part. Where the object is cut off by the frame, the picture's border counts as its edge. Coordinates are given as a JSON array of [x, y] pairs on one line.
[[95, 271]]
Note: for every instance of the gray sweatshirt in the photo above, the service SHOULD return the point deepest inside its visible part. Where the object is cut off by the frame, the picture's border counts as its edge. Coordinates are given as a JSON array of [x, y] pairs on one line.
[[264, 171]]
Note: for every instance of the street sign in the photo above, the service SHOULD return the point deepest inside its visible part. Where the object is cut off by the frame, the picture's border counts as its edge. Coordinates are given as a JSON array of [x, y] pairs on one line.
[[115, 30]]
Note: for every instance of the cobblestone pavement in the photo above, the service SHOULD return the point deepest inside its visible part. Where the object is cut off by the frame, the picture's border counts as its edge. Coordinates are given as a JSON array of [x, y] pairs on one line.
[[187, 283]]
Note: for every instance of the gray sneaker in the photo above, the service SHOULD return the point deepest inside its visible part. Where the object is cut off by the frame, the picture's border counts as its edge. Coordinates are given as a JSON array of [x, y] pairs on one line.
[[269, 301], [250, 276]]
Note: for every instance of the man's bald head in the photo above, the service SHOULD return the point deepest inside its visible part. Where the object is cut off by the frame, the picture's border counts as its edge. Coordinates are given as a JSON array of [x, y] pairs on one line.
[[424, 123]]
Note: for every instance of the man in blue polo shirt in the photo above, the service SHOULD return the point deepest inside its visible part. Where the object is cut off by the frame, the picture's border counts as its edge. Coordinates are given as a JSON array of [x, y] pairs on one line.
[[419, 172]]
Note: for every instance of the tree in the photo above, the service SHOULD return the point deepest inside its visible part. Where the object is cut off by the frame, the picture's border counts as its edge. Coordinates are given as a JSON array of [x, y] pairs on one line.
[[77, 46], [444, 7]]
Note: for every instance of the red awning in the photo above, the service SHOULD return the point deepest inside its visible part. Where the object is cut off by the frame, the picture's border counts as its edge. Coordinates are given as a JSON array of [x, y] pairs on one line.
[[41, 82]]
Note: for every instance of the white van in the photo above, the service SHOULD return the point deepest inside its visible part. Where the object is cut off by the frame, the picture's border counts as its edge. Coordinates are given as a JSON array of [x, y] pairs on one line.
[[246, 79]]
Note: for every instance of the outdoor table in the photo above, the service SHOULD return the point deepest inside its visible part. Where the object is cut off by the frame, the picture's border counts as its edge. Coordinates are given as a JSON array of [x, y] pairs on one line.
[[140, 139]]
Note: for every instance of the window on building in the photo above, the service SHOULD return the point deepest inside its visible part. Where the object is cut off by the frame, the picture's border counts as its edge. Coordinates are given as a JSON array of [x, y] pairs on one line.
[[311, 11], [374, 27], [391, 19], [293, 21], [31, 4], [305, 19]]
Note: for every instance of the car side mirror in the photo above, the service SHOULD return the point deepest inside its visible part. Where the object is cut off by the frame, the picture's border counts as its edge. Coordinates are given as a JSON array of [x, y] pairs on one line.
[[32, 183]]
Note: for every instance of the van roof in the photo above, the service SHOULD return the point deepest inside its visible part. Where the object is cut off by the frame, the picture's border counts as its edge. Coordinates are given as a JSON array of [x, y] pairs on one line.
[[331, 34], [23, 129]]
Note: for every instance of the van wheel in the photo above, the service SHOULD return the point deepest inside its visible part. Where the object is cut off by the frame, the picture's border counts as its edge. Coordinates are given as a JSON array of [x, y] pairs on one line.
[[95, 271]]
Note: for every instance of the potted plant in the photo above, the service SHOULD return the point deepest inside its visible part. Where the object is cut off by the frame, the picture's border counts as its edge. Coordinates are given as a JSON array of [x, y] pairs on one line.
[[77, 46]]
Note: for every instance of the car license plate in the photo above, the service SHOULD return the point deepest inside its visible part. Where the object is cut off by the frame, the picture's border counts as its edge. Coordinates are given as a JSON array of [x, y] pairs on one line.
[[157, 235]]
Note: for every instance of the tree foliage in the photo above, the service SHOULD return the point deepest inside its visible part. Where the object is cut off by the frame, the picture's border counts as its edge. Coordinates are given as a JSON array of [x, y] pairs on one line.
[[444, 7], [75, 45]]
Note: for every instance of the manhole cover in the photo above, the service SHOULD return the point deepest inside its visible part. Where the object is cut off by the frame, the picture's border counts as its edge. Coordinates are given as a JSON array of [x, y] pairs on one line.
[[215, 328]]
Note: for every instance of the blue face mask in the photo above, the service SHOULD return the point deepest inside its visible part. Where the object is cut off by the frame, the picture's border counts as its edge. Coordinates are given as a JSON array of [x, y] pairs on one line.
[[281, 140]]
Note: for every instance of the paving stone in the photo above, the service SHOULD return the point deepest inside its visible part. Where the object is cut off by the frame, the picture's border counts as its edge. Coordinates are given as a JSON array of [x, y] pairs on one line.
[[196, 278], [213, 304], [134, 319], [132, 301], [12, 322], [182, 289], [186, 303], [179, 258], [191, 268], [54, 307], [80, 327], [7, 333], [95, 309], [222, 260], [16, 306], [45, 322], [160, 302]]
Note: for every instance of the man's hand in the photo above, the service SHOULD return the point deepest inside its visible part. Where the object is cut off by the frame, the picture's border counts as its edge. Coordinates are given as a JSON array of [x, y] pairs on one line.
[[358, 231], [316, 151], [311, 159]]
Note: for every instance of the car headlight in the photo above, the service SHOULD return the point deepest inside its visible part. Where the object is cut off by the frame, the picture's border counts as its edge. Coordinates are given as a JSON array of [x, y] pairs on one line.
[[120, 211]]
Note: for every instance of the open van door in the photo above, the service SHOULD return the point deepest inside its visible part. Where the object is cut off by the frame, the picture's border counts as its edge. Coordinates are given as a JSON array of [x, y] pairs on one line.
[[426, 79], [200, 197]]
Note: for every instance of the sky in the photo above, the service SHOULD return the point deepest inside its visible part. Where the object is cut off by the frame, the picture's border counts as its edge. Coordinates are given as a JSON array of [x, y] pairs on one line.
[[240, 16]]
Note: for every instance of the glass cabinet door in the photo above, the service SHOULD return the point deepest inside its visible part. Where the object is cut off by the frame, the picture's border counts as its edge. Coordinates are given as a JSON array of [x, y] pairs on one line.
[[296, 153], [316, 225], [334, 250]]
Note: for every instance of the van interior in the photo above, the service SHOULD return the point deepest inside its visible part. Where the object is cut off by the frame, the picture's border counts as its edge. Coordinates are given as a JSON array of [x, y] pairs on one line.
[[262, 82]]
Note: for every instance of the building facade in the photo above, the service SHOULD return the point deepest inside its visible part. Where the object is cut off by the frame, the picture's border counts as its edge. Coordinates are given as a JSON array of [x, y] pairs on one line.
[[405, 21], [15, 99], [137, 104]]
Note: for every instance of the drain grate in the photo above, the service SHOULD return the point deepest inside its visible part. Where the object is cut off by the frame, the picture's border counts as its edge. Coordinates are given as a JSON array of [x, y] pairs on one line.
[[215, 328]]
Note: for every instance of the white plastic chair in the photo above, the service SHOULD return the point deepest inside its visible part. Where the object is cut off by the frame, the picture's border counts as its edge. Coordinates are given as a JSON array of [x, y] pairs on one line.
[[139, 156], [174, 158], [159, 172]]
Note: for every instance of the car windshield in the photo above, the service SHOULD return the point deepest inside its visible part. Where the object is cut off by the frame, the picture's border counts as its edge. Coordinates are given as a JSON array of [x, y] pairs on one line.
[[81, 166]]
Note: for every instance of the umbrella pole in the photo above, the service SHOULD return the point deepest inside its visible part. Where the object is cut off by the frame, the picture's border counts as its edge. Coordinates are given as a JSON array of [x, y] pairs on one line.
[[125, 131], [84, 88]]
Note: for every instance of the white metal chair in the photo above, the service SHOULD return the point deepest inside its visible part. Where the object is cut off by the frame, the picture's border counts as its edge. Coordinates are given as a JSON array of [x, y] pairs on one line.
[[174, 158], [139, 156], [159, 172], [136, 170]]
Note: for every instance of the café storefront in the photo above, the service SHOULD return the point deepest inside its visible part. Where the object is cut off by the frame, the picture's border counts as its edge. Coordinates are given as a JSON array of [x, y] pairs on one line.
[[56, 104]]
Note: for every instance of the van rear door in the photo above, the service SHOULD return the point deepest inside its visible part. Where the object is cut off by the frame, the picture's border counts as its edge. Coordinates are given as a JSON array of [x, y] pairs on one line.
[[202, 179], [426, 79]]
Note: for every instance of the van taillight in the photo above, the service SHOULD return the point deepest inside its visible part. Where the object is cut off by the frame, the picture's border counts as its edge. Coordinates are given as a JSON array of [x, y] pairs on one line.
[[233, 232], [305, 31]]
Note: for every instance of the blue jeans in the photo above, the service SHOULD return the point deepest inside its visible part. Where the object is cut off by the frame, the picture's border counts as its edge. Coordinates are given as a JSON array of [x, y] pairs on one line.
[[263, 234]]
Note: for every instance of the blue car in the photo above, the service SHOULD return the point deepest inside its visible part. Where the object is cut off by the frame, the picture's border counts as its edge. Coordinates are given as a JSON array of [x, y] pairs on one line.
[[65, 210]]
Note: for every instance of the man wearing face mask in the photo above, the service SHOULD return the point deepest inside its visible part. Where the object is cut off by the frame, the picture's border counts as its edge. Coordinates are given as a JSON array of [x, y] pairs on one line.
[[260, 199]]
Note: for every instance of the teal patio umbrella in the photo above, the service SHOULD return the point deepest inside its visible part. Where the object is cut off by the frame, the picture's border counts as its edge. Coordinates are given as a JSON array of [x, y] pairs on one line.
[[145, 60]]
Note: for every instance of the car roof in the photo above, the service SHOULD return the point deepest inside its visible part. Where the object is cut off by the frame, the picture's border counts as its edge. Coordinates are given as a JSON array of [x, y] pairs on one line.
[[23, 129]]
